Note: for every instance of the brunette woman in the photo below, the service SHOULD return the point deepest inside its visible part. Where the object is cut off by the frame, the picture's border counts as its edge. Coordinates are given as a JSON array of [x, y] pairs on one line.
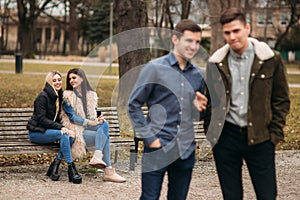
[[80, 115]]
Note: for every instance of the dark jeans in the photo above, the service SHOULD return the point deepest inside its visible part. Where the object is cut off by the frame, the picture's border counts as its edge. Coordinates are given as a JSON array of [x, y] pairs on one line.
[[179, 178], [229, 154]]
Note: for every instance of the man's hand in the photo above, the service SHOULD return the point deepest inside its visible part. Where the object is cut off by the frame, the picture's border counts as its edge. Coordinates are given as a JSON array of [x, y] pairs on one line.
[[155, 144], [200, 101]]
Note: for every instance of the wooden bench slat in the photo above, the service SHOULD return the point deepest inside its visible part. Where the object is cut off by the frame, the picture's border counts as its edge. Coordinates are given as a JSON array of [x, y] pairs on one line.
[[9, 110], [120, 140], [13, 114], [12, 128], [24, 138], [23, 143], [26, 142], [35, 151], [30, 150], [112, 132], [13, 119], [13, 132], [25, 135], [13, 138]]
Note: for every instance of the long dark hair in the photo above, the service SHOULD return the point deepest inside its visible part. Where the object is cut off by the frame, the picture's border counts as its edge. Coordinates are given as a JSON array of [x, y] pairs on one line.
[[85, 85]]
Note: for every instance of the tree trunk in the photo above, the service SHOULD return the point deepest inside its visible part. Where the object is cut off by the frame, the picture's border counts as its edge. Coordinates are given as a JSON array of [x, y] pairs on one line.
[[132, 42], [73, 31], [27, 41], [186, 6], [28, 12], [129, 15], [26, 31]]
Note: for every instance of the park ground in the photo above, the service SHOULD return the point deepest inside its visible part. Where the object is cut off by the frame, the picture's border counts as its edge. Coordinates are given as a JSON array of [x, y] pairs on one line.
[[30, 182]]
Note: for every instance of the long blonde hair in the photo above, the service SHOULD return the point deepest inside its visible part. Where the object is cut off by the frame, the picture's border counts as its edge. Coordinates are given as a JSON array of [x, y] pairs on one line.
[[49, 80]]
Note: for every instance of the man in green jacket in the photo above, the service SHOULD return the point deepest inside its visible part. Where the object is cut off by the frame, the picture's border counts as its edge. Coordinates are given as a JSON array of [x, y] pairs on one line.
[[248, 104]]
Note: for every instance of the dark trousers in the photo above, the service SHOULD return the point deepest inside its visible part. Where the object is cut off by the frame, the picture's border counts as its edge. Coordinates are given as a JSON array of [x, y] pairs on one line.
[[179, 178], [229, 154]]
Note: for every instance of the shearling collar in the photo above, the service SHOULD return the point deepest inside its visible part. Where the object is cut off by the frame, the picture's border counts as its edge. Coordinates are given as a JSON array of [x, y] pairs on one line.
[[261, 49]]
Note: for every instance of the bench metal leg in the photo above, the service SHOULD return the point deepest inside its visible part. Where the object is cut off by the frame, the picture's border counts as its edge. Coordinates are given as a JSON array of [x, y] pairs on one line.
[[116, 156], [133, 158], [134, 154]]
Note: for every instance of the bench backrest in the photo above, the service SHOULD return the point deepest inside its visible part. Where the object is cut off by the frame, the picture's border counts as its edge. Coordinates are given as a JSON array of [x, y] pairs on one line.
[[13, 123]]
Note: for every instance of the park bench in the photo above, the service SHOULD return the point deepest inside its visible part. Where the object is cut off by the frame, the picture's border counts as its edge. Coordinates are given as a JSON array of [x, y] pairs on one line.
[[14, 135]]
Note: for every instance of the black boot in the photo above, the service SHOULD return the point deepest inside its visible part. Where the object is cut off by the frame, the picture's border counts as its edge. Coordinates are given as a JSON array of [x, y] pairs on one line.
[[73, 174], [53, 170]]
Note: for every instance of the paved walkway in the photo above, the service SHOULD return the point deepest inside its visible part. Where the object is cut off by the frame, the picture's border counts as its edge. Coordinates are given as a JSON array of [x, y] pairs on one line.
[[29, 182], [87, 62], [294, 85], [63, 74]]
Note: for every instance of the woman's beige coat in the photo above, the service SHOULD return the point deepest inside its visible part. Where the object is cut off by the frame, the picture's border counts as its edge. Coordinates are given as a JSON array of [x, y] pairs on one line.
[[69, 97]]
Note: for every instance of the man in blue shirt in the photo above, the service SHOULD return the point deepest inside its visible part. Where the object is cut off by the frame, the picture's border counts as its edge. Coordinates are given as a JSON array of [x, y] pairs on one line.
[[171, 87]]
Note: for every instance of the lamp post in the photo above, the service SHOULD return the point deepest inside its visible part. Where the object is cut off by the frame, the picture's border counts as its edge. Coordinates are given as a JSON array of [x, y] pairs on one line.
[[110, 35]]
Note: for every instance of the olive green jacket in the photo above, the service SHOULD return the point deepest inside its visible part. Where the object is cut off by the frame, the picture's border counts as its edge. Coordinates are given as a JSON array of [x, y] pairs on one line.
[[268, 103]]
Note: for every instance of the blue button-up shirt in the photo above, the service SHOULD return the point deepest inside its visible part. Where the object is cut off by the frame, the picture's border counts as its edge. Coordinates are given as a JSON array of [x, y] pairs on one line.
[[168, 92]]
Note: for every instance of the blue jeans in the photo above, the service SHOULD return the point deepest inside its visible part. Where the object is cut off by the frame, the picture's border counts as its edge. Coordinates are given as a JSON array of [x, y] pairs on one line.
[[52, 135], [179, 178], [98, 136], [229, 154]]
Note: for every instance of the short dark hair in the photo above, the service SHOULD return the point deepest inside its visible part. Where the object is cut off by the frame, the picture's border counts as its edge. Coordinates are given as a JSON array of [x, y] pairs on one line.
[[186, 25], [232, 14]]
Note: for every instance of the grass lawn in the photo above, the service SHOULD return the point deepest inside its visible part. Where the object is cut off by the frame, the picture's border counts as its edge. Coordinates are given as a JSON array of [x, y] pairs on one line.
[[20, 90], [292, 129], [293, 78]]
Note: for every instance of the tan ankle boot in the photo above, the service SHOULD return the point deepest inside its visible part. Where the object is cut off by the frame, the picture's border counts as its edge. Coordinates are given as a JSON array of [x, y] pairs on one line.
[[97, 161], [111, 176]]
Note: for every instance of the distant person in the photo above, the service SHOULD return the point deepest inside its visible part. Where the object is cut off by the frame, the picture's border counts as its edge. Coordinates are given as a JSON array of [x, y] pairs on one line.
[[257, 99], [80, 115], [168, 86], [45, 126]]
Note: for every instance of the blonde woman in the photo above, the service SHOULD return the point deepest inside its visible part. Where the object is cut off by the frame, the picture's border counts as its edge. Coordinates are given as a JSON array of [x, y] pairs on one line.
[[44, 126]]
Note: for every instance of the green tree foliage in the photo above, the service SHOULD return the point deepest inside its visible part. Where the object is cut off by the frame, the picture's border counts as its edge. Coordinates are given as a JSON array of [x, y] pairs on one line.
[[97, 25], [292, 41]]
